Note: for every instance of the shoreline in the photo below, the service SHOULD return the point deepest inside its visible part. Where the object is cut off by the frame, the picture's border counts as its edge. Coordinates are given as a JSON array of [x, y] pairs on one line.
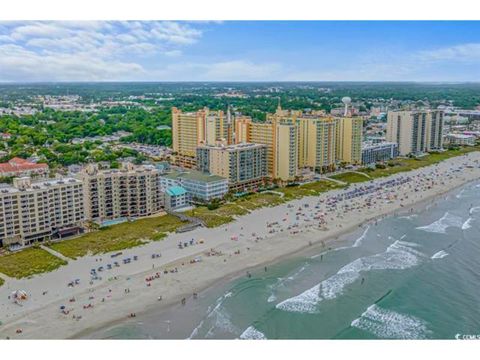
[[343, 239], [203, 276]]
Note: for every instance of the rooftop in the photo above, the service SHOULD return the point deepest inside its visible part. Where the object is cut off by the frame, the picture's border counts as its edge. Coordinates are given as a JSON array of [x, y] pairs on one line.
[[194, 175], [176, 191], [232, 147], [461, 136], [38, 185], [372, 145], [18, 164]]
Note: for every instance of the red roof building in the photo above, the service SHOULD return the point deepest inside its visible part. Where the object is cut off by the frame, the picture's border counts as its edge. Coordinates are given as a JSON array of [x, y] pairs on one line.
[[22, 167]]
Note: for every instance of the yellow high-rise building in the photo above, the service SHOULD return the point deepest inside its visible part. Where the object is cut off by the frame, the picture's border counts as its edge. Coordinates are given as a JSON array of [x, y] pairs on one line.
[[263, 133], [242, 124], [317, 143], [191, 129], [349, 140]]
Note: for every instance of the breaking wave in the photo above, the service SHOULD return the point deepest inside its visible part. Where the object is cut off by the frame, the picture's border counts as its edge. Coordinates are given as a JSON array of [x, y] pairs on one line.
[[218, 318], [388, 324], [251, 333], [440, 226], [439, 255], [398, 256], [466, 225], [474, 210]]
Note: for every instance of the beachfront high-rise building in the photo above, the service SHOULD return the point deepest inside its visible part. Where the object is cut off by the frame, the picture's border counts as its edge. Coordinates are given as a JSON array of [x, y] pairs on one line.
[[415, 131], [191, 129], [349, 140], [286, 152], [129, 192], [37, 211], [244, 165], [280, 135], [263, 133], [435, 130], [317, 143]]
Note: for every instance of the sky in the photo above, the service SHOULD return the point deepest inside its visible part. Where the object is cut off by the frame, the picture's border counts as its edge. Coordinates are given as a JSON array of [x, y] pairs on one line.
[[32, 51]]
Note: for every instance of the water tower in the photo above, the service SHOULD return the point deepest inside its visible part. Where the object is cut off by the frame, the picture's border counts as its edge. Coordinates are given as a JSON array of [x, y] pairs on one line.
[[347, 101]]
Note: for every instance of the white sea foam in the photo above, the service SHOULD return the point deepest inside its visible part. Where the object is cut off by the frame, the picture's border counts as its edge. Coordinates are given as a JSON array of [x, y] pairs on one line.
[[408, 217], [272, 298], [460, 194], [440, 254], [251, 333], [440, 226], [388, 324], [358, 242], [466, 225], [217, 317], [398, 256], [281, 282], [474, 210]]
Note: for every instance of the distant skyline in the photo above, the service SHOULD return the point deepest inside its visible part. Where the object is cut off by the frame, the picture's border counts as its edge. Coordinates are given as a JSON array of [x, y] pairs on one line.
[[422, 51]]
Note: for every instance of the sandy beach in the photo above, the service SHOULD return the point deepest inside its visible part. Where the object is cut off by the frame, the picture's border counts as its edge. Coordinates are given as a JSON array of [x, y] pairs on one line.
[[163, 273]]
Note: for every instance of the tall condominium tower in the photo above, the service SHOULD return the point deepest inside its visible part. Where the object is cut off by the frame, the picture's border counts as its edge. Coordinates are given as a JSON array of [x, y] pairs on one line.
[[191, 129], [244, 165], [317, 143], [415, 131], [349, 140]]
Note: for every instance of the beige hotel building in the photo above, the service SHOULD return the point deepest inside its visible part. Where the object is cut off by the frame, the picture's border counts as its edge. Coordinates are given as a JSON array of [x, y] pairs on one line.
[[244, 165], [415, 131], [129, 192], [40, 210], [190, 129]]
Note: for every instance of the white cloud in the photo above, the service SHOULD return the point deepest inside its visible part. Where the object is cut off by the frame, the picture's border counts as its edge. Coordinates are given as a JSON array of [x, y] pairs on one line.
[[87, 50], [462, 53], [19, 64]]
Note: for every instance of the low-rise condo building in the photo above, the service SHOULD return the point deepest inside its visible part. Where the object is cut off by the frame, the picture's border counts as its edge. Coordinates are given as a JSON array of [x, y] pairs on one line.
[[378, 152], [176, 197], [19, 167], [461, 139], [200, 186]]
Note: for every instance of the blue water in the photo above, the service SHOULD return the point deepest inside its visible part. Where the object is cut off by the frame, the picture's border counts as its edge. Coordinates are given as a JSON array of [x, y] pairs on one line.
[[411, 276]]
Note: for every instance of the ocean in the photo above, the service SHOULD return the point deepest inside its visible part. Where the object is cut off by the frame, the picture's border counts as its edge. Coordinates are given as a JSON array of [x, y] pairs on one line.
[[413, 275]]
